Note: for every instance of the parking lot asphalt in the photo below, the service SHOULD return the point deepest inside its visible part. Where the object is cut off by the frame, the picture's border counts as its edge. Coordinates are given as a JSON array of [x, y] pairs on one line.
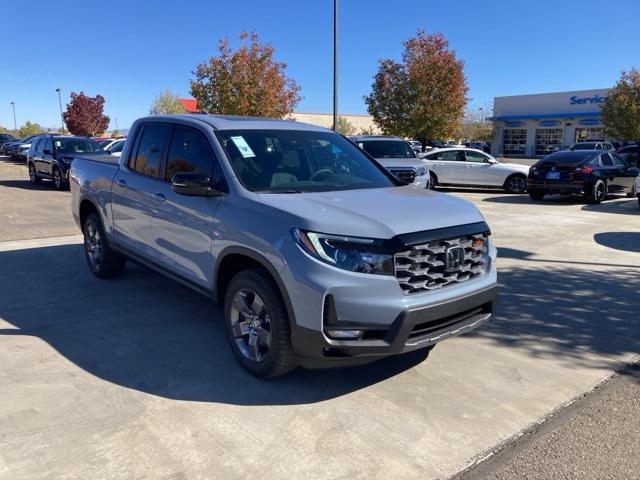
[[132, 378]]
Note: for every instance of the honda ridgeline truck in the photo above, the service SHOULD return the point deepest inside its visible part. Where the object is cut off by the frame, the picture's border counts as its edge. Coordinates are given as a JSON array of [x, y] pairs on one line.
[[317, 255]]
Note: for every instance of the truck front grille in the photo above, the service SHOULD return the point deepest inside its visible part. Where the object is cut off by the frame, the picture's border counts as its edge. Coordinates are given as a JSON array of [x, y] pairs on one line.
[[424, 267], [406, 175]]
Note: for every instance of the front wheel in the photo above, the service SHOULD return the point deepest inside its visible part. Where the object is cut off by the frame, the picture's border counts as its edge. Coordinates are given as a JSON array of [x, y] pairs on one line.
[[33, 176], [59, 181], [433, 180], [516, 184], [597, 193], [257, 325], [103, 262]]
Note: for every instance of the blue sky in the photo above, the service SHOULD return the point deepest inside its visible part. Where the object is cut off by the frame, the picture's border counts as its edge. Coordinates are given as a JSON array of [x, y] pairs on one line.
[[128, 51]]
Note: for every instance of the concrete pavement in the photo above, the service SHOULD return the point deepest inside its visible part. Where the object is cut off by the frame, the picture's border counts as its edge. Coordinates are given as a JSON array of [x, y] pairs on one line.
[[132, 378]]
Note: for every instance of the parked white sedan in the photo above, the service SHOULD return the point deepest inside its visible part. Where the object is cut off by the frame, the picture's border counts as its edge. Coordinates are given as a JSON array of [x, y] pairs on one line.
[[471, 167]]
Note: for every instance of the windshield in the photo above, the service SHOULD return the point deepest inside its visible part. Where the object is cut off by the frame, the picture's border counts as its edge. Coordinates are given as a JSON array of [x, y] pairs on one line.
[[77, 145], [104, 143], [116, 147], [295, 161], [387, 148]]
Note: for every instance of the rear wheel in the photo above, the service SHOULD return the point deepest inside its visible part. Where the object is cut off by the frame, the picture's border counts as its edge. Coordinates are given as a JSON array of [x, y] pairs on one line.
[[516, 184], [103, 262], [257, 325], [633, 193], [536, 194], [33, 176], [597, 193]]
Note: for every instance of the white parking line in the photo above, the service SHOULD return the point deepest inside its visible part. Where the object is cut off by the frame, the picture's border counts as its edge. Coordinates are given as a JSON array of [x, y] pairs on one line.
[[39, 242]]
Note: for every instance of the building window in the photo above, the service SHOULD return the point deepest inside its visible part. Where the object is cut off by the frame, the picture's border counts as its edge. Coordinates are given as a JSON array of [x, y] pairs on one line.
[[595, 133], [548, 140], [514, 141]]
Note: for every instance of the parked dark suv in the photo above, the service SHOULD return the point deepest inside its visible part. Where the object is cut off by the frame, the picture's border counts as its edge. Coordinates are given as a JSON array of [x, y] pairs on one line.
[[5, 138], [592, 173], [50, 157]]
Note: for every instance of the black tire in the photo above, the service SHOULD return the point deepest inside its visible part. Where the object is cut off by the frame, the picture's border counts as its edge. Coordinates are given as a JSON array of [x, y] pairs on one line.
[[33, 176], [597, 193], [433, 180], [633, 193], [103, 262], [278, 357], [516, 183], [536, 195], [59, 182]]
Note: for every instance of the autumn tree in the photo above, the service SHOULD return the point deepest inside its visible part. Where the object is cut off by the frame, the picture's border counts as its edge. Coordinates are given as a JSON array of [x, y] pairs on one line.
[[29, 128], [248, 81], [345, 127], [621, 107], [166, 103], [85, 115], [424, 96]]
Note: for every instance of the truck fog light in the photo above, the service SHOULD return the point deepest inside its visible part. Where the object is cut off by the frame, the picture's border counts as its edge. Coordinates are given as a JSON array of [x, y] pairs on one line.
[[344, 334]]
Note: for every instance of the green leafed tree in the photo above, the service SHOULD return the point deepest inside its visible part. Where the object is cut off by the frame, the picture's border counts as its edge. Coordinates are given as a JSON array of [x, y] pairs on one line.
[[166, 103], [345, 127], [29, 128], [424, 95], [621, 107], [247, 81]]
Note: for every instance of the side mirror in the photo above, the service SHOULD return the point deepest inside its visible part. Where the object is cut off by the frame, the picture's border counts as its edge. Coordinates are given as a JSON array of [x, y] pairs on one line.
[[46, 151], [491, 161], [193, 184]]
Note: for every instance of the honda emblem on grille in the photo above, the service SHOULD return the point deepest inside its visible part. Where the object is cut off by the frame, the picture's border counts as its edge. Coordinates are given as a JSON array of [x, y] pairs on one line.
[[454, 258]]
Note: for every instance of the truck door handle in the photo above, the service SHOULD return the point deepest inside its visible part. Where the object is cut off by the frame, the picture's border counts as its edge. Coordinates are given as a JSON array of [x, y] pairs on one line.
[[159, 196], [122, 183]]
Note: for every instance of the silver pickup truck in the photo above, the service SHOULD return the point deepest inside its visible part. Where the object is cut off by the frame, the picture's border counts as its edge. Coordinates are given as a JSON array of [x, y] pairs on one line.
[[317, 255]]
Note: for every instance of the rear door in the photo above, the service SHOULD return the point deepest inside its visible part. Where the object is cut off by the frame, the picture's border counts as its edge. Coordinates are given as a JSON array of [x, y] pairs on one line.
[[135, 185], [625, 174], [44, 158], [183, 226], [448, 165]]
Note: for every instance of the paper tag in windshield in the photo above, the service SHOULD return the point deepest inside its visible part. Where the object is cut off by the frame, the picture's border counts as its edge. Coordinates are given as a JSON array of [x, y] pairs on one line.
[[243, 146], [58, 143]]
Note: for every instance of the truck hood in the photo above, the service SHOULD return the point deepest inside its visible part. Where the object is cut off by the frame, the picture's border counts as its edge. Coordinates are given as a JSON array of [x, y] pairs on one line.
[[377, 213], [401, 162]]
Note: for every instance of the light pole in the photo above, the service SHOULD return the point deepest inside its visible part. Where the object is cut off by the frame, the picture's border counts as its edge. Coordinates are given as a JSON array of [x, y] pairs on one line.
[[335, 64], [117, 128], [15, 125], [61, 117]]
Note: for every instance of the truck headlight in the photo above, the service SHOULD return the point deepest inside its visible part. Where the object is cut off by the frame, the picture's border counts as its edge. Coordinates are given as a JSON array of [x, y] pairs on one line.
[[362, 255], [421, 171]]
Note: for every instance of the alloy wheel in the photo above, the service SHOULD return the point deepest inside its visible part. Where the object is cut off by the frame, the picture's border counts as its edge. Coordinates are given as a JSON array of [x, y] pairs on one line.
[[600, 191], [57, 179], [94, 246], [32, 174], [250, 325], [517, 184]]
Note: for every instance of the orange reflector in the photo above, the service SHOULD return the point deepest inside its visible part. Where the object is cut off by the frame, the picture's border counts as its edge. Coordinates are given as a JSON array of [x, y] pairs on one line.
[[477, 242]]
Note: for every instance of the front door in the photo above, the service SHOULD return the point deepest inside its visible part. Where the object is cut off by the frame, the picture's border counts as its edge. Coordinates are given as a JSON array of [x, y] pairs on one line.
[[479, 171], [625, 174], [182, 226]]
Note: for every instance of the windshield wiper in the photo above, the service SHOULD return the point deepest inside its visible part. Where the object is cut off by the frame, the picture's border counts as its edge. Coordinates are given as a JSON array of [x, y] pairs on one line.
[[280, 191]]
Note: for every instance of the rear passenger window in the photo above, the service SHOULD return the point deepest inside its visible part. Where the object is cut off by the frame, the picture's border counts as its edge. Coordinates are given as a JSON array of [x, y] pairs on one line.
[[190, 152], [451, 156], [605, 160], [148, 155], [618, 161]]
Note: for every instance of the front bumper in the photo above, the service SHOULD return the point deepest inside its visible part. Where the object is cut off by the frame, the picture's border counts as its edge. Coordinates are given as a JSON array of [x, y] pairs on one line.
[[412, 329]]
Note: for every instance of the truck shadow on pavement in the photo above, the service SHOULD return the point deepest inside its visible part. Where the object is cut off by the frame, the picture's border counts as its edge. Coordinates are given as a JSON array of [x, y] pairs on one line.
[[27, 185], [150, 334]]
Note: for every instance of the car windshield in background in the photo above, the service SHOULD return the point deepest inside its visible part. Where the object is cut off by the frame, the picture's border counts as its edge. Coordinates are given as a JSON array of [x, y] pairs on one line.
[[117, 147], [77, 145], [104, 143], [567, 158], [584, 146], [387, 149], [296, 161]]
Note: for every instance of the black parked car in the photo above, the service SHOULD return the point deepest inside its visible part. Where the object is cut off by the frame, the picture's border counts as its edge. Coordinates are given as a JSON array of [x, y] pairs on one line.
[[5, 138], [592, 173], [50, 157]]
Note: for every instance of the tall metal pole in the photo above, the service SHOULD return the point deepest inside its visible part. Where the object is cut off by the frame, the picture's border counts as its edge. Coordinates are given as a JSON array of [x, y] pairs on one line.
[[335, 64], [15, 125], [117, 128], [61, 117]]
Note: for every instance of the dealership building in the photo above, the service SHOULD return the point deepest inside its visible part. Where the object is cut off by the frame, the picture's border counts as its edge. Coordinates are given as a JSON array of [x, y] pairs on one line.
[[535, 125]]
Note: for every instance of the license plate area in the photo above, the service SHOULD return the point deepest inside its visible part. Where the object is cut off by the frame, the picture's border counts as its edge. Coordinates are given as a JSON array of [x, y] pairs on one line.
[[553, 175]]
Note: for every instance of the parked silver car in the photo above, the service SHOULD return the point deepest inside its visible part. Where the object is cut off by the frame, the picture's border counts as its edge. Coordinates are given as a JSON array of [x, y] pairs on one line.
[[317, 255]]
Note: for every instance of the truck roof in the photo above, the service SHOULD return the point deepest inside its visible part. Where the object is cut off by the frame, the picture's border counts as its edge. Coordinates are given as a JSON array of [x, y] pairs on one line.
[[234, 122]]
